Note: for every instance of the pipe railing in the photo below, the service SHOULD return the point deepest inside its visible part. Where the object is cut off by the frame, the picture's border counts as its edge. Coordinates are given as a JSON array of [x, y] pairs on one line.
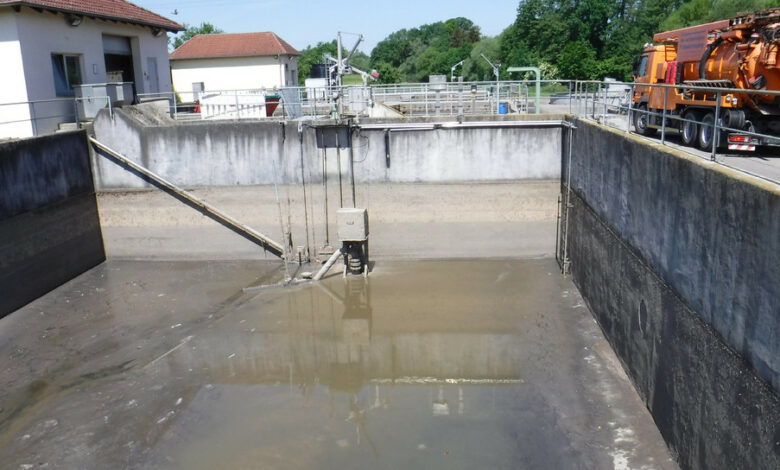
[[591, 101], [41, 117]]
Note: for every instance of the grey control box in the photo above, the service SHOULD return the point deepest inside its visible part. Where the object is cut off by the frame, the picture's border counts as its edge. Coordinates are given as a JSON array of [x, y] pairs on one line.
[[352, 224]]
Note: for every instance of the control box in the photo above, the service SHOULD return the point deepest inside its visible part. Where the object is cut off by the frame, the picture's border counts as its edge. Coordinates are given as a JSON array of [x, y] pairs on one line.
[[352, 224]]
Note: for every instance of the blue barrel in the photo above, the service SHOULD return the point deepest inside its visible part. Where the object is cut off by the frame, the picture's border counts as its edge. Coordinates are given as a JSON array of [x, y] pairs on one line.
[[502, 108]]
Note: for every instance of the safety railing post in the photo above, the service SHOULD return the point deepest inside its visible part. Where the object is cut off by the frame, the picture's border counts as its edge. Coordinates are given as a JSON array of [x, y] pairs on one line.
[[630, 105], [663, 119], [716, 128], [76, 112], [33, 120], [605, 103]]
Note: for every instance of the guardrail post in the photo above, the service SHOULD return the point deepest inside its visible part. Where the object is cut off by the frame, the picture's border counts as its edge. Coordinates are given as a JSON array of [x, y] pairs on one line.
[[605, 103], [33, 120], [630, 105], [716, 128], [76, 112], [663, 119]]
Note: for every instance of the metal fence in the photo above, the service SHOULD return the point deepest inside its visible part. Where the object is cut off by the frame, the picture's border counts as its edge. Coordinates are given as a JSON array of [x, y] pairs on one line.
[[709, 130], [40, 117], [609, 102]]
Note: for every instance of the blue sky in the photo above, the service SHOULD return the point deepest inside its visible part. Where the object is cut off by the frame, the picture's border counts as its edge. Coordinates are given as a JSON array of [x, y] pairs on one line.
[[305, 22]]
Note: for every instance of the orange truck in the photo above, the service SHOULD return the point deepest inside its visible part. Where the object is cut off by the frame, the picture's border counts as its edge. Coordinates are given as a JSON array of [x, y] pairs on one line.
[[741, 53]]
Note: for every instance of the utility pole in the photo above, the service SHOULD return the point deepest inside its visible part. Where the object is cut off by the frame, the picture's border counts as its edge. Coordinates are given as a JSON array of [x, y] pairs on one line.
[[496, 68]]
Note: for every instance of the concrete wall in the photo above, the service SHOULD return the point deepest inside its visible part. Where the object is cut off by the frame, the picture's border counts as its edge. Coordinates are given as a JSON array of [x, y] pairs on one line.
[[233, 73], [245, 152], [49, 226], [677, 259]]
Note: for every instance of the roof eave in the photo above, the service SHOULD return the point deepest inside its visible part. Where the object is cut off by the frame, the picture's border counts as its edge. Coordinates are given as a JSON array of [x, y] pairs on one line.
[[166, 27], [231, 56]]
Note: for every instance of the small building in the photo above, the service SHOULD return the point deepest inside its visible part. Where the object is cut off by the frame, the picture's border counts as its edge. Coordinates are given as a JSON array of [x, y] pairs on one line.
[[52, 50], [220, 62]]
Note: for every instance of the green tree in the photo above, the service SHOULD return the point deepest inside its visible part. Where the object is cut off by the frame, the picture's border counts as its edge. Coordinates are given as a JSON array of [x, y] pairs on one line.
[[695, 12], [476, 68], [313, 55], [191, 31], [388, 73], [430, 49]]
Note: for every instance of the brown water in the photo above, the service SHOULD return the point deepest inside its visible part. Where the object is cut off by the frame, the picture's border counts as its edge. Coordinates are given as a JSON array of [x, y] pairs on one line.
[[447, 364]]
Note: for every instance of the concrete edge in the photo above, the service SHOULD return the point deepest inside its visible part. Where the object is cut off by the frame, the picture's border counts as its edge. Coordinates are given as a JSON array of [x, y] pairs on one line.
[[732, 173]]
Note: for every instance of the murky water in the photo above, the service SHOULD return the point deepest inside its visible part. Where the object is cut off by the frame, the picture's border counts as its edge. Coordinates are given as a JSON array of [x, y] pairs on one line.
[[448, 364]]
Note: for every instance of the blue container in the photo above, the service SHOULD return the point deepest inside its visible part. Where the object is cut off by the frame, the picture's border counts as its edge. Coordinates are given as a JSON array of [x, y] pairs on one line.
[[502, 108]]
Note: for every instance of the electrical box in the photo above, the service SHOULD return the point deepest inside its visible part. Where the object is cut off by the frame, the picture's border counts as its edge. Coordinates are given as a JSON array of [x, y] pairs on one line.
[[352, 224]]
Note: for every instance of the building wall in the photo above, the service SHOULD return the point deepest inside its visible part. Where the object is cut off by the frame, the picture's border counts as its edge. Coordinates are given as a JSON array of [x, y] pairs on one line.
[[13, 118], [49, 226], [42, 34], [233, 73]]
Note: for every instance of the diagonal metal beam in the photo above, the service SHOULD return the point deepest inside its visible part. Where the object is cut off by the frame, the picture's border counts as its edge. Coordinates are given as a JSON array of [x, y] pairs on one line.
[[189, 199]]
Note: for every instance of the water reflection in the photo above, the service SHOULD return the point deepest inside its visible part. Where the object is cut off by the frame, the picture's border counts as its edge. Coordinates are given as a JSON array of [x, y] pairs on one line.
[[444, 365], [327, 334]]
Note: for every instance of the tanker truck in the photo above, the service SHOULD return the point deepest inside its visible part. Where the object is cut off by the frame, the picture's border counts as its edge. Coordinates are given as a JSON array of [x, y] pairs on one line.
[[741, 53]]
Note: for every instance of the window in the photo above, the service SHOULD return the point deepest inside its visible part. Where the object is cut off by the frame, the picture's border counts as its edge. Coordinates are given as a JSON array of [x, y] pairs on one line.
[[642, 67], [67, 73]]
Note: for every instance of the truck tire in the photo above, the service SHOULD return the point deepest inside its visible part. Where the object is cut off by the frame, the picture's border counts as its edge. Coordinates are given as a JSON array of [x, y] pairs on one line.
[[706, 131], [641, 120], [689, 129]]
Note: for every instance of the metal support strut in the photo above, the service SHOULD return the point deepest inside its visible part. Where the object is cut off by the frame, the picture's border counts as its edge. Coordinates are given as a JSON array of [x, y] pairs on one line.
[[188, 198]]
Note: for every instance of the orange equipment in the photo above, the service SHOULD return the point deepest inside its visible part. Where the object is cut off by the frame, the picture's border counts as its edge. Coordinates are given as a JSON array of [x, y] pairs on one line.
[[740, 53]]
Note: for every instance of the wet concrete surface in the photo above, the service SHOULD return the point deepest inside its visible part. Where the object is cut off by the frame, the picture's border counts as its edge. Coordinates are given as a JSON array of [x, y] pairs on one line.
[[408, 221], [435, 364]]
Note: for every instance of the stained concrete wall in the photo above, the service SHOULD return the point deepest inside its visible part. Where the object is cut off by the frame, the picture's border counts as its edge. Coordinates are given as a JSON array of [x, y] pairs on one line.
[[677, 259], [49, 226], [246, 152]]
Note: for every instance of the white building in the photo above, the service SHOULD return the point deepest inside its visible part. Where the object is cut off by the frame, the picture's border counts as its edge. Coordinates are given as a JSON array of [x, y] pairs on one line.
[[49, 48], [220, 62]]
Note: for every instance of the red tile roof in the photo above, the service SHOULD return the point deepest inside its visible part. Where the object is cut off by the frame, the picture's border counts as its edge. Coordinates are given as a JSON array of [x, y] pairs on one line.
[[106, 9], [233, 45]]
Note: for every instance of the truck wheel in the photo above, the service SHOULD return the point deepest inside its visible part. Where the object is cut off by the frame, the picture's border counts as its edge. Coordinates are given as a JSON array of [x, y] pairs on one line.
[[706, 131], [641, 120], [690, 128]]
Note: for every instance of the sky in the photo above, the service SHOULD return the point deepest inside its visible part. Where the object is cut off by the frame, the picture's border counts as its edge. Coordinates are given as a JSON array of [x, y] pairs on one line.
[[306, 22]]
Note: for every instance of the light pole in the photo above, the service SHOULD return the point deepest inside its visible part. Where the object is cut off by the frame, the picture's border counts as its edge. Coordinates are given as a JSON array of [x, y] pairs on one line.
[[496, 68], [452, 70]]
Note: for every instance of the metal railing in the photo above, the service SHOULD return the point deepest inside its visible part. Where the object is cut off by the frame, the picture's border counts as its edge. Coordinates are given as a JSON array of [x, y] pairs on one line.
[[410, 99], [709, 129], [608, 102], [40, 117]]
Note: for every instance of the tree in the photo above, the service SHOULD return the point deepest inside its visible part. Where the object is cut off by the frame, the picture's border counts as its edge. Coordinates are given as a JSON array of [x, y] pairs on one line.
[[695, 12], [191, 31], [388, 73], [430, 49], [313, 55]]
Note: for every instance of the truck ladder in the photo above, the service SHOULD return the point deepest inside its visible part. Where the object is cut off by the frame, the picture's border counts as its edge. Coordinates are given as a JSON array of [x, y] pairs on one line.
[[189, 199]]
